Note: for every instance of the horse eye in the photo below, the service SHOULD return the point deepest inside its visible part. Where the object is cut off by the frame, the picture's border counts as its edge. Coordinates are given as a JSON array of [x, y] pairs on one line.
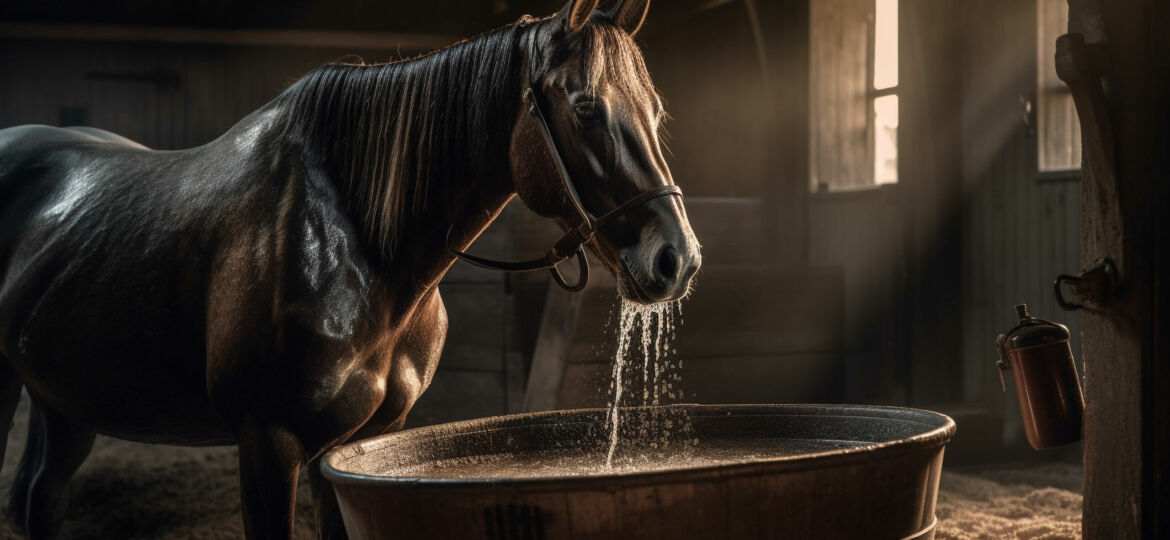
[[588, 112]]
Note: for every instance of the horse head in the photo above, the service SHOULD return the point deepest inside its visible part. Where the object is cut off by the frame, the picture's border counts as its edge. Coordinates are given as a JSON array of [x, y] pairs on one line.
[[598, 114]]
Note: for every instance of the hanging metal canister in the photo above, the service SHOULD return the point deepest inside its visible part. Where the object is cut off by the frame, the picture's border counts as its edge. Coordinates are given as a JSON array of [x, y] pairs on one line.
[[1038, 354]]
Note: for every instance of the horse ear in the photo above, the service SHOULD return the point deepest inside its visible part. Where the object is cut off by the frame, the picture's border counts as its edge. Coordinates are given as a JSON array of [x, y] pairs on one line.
[[576, 13], [630, 14]]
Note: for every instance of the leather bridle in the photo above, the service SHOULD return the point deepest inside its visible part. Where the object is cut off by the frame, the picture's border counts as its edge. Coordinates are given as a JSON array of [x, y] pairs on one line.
[[580, 233]]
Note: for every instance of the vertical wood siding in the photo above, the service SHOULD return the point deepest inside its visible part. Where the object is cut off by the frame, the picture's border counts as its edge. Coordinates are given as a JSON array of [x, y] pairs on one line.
[[1018, 232], [864, 234]]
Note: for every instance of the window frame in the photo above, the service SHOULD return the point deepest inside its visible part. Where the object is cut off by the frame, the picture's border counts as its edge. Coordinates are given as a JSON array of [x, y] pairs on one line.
[[873, 93]]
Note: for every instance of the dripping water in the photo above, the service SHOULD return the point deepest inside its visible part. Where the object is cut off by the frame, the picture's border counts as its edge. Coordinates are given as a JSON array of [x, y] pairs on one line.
[[653, 326]]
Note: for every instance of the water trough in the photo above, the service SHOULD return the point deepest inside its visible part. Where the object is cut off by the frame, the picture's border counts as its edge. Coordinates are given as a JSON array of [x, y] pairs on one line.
[[758, 471]]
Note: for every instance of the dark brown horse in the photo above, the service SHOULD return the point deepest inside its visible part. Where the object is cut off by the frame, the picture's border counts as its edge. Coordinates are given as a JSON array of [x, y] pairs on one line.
[[277, 287]]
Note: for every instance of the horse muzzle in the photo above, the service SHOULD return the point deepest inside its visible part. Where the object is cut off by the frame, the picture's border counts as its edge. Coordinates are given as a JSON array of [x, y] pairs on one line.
[[660, 270]]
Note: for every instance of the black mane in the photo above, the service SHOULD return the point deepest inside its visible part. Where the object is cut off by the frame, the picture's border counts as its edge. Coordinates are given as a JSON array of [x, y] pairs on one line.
[[389, 131]]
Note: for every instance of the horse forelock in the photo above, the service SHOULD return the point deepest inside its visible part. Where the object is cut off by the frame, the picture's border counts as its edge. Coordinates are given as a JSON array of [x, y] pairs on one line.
[[612, 59]]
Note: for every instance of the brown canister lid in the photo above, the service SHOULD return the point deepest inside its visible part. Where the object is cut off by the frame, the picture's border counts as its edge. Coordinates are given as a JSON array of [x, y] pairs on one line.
[[1033, 332]]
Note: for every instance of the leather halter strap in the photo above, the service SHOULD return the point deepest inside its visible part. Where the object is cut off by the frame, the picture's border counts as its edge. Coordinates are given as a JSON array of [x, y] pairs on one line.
[[583, 231]]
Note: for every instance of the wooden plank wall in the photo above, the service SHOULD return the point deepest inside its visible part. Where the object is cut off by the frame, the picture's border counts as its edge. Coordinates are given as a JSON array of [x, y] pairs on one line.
[[164, 96], [751, 332], [709, 75], [739, 109], [864, 234], [459, 17], [178, 96], [755, 334]]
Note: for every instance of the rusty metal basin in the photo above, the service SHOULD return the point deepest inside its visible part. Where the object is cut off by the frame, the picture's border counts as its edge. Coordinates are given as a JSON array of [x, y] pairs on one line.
[[809, 472]]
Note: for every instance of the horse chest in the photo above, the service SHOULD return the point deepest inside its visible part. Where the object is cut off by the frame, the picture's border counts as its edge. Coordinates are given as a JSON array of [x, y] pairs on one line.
[[342, 398], [412, 365]]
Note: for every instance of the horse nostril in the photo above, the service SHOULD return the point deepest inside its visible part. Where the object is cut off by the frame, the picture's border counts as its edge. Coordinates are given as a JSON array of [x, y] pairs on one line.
[[668, 263]]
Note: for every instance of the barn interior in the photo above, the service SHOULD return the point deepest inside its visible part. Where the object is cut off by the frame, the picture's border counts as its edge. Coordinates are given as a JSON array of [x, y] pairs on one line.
[[875, 183]]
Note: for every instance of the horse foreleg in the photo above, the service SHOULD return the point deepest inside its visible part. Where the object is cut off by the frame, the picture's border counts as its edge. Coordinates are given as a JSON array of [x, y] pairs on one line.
[[270, 460], [65, 447], [329, 523], [10, 385], [30, 463]]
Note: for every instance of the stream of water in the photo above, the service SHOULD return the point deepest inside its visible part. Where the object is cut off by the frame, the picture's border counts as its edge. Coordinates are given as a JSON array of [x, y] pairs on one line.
[[652, 329]]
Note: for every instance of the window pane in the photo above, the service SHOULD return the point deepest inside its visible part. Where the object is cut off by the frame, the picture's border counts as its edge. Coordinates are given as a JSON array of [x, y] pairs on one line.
[[1059, 131], [885, 41], [885, 143]]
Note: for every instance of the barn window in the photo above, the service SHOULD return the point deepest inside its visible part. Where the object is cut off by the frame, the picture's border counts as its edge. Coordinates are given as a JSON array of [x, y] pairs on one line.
[[854, 98], [1058, 129]]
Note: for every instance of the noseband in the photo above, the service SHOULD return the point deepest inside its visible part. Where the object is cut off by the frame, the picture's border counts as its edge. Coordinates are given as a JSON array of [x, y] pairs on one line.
[[579, 234]]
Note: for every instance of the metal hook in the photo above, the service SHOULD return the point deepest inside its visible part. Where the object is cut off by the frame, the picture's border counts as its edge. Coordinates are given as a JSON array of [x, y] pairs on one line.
[[1093, 287]]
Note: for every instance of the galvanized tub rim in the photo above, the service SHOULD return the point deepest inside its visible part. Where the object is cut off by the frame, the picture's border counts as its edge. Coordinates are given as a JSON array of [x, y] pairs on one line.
[[938, 430]]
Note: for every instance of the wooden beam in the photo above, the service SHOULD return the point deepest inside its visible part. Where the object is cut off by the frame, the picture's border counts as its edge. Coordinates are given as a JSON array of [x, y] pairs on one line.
[[405, 41], [557, 327]]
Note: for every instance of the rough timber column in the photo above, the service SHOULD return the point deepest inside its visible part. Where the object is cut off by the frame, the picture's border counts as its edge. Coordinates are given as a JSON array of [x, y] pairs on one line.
[[1115, 61]]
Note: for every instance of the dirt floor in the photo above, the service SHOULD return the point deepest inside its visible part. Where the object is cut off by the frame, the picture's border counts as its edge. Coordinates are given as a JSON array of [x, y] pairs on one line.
[[128, 490]]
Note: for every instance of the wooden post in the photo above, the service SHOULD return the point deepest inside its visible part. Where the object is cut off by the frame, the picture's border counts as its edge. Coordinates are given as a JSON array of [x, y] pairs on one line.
[[557, 326], [1116, 62]]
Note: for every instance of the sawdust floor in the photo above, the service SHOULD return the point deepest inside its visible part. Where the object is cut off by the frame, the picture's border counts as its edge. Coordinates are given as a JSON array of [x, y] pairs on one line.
[[128, 490], [1018, 502]]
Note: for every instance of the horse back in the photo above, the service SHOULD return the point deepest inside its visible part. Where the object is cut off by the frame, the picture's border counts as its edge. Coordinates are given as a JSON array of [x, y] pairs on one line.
[[32, 153], [105, 249], [35, 160], [106, 136]]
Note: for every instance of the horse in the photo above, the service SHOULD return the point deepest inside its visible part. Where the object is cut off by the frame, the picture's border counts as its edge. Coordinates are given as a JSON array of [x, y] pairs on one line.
[[277, 288]]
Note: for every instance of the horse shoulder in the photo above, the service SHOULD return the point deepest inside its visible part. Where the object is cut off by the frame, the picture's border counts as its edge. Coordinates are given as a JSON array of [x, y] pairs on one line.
[[289, 288]]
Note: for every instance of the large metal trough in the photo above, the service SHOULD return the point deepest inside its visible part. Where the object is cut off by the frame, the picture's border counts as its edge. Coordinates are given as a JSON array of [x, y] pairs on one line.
[[880, 482]]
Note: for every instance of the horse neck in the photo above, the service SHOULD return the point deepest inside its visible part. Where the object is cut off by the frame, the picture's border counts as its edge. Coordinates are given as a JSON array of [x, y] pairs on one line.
[[417, 147]]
